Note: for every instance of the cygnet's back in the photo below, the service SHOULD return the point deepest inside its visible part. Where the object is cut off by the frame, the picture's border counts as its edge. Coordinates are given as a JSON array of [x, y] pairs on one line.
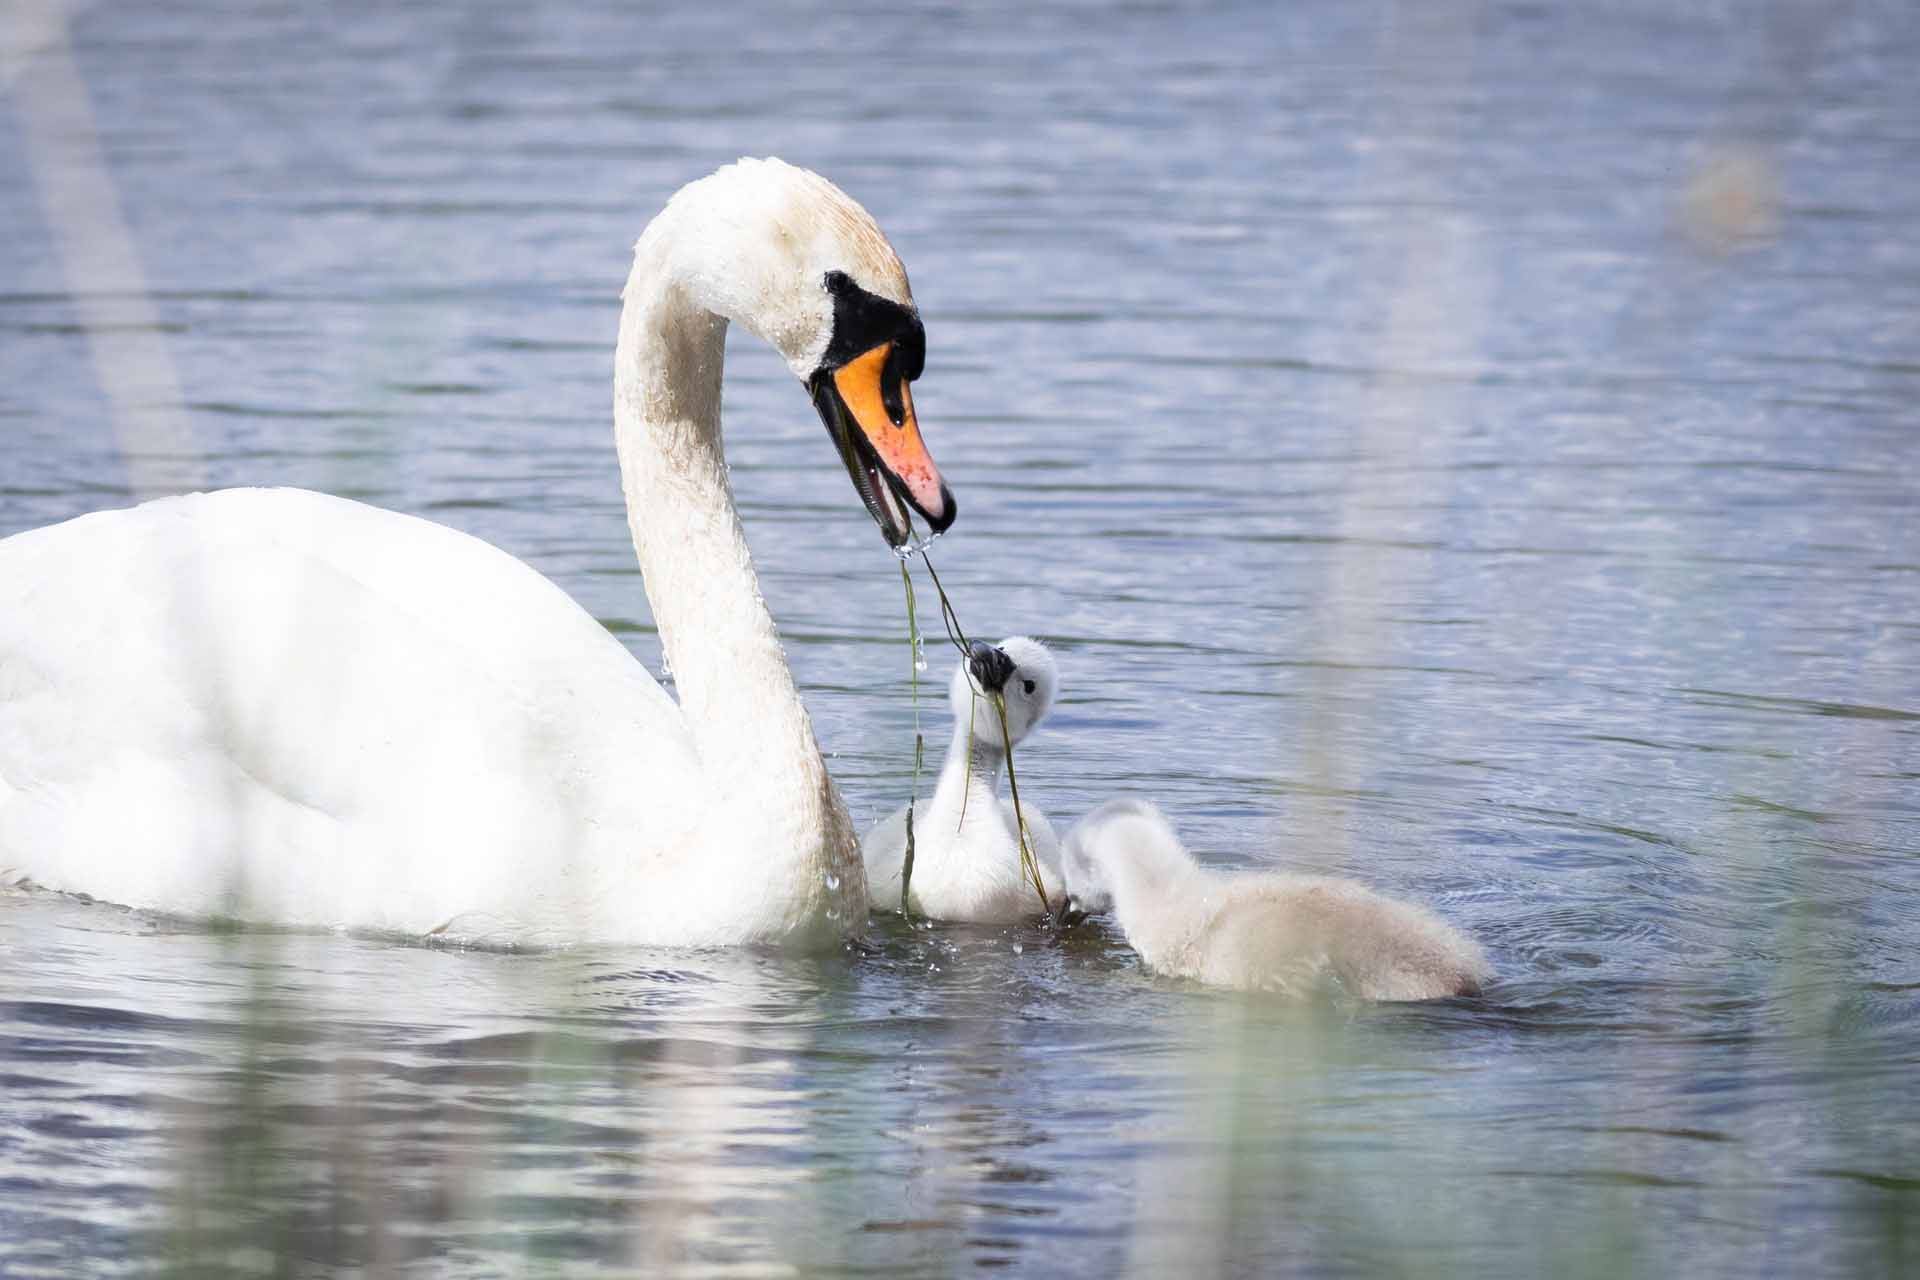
[[1260, 931], [966, 863]]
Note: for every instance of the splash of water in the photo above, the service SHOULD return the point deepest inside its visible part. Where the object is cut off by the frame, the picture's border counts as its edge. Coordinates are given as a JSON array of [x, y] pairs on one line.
[[915, 545]]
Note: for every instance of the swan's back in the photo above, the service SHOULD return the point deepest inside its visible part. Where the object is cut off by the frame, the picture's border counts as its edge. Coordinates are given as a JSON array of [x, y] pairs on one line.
[[360, 716], [1291, 933]]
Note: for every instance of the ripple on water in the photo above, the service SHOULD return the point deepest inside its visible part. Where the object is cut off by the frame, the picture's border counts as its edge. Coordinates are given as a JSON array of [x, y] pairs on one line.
[[1401, 498]]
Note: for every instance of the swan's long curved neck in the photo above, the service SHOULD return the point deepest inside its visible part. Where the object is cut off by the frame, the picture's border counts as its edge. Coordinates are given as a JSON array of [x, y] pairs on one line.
[[738, 697], [971, 776]]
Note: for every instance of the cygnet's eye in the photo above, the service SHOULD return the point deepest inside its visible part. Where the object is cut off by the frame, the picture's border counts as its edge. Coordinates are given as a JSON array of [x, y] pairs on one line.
[[1027, 685]]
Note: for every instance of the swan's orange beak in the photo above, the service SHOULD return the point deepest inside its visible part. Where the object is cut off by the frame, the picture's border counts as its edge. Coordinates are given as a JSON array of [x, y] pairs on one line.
[[867, 405]]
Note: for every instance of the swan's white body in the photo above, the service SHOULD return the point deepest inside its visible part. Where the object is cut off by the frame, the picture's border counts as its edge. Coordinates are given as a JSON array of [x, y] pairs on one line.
[[296, 709], [1260, 931], [966, 859]]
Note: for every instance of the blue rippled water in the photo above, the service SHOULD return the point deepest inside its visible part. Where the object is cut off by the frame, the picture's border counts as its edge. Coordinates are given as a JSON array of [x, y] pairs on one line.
[[1470, 446]]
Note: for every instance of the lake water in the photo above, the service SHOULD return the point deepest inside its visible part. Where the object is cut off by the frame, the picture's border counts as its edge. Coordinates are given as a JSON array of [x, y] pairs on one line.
[[1470, 447]]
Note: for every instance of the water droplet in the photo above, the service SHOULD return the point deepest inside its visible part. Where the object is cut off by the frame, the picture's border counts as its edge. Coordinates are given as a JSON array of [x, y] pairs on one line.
[[919, 663], [1019, 950], [833, 882], [916, 542]]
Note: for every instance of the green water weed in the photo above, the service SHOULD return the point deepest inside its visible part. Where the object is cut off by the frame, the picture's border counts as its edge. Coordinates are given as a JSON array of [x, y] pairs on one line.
[[957, 636]]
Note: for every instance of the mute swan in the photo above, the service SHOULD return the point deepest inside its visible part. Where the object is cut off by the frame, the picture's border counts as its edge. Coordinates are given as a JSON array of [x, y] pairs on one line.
[[1259, 930], [294, 709], [966, 846]]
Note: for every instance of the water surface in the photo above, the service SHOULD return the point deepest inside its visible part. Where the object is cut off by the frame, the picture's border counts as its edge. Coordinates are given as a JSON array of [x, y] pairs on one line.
[[1471, 447]]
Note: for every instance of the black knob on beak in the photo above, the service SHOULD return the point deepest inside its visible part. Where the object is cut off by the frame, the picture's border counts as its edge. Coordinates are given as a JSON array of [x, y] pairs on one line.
[[990, 665]]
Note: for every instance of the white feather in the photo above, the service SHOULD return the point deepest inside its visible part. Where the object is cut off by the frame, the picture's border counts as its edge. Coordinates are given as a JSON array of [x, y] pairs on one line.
[[966, 862], [1259, 930], [301, 710]]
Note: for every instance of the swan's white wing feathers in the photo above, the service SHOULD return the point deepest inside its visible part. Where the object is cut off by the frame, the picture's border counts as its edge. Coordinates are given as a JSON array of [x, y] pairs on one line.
[[361, 715]]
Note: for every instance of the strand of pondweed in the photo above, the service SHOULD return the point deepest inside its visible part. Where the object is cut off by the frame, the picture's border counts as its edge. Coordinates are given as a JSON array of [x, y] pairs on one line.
[[1029, 865], [919, 740], [957, 637], [948, 617]]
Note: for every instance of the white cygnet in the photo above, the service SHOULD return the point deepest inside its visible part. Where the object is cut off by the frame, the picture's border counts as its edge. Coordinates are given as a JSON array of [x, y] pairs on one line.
[[966, 859], [1259, 931]]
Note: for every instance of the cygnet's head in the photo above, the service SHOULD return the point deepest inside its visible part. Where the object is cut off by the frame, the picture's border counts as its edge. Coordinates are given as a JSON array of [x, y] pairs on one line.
[[796, 260], [1121, 835], [1019, 669]]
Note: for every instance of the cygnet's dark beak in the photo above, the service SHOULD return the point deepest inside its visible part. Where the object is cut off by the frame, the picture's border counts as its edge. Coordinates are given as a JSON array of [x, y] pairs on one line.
[[990, 666]]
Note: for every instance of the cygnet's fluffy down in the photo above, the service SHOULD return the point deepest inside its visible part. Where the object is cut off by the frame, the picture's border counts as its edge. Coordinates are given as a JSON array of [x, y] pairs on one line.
[[1259, 931], [966, 860]]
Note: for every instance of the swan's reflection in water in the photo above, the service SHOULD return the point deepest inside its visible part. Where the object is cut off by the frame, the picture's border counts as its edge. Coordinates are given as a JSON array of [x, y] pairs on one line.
[[355, 1103], [239, 1104]]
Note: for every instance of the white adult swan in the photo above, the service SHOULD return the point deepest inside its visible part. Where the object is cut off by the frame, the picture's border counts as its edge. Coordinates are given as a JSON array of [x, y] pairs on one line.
[[1259, 931], [966, 851], [295, 709]]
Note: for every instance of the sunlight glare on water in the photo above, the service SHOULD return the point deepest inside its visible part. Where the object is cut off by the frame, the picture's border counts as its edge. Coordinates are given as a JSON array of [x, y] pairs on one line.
[[1470, 447]]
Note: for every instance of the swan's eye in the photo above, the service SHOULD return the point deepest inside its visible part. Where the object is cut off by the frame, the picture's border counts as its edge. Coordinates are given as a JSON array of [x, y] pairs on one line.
[[1027, 685]]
